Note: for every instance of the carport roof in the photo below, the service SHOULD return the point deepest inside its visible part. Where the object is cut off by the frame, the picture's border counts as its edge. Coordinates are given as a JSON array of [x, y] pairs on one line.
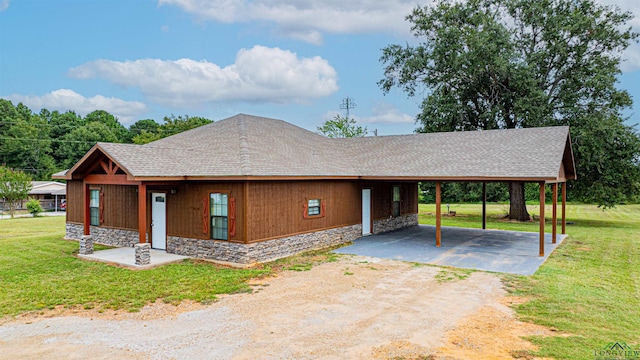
[[246, 146]]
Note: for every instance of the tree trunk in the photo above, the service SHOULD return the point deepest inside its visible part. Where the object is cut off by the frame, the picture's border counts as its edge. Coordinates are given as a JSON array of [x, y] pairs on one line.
[[517, 205], [12, 208]]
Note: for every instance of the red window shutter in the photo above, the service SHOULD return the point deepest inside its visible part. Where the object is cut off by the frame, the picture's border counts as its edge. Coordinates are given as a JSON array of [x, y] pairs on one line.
[[101, 207], [205, 215], [305, 215], [232, 217], [322, 209]]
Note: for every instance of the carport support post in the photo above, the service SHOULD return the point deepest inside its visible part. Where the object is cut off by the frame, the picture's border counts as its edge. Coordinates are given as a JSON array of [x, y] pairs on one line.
[[438, 215], [564, 208], [542, 188], [484, 205], [142, 212], [554, 212]]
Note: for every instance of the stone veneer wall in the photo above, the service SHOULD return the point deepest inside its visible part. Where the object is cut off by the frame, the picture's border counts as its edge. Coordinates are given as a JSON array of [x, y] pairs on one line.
[[245, 253], [262, 251], [394, 223], [105, 236]]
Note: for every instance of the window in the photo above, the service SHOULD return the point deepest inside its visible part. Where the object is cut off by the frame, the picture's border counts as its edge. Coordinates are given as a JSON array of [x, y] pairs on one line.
[[219, 216], [396, 201], [94, 207], [313, 207]]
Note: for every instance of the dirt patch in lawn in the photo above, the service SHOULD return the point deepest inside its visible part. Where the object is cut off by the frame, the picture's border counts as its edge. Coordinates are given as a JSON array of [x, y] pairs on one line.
[[492, 333], [356, 307], [156, 310]]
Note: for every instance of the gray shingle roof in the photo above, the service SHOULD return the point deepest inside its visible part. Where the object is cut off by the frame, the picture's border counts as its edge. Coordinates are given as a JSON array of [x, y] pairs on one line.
[[47, 187], [245, 145]]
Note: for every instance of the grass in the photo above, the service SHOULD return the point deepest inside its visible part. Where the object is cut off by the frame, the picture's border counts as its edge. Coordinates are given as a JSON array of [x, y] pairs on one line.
[[305, 261], [38, 270], [589, 288], [452, 274]]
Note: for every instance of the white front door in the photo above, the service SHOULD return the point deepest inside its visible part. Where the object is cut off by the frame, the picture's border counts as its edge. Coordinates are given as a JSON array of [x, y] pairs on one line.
[[366, 211], [159, 221]]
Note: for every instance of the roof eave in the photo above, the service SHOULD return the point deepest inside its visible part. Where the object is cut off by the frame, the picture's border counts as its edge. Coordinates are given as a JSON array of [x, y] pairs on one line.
[[62, 175], [548, 179], [96, 147], [569, 148]]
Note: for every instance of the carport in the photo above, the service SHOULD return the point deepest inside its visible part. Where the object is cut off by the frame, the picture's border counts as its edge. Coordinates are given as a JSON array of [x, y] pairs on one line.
[[533, 155], [479, 249]]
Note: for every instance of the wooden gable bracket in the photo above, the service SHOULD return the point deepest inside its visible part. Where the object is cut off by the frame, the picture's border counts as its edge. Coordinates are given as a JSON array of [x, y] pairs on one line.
[[114, 174], [109, 167]]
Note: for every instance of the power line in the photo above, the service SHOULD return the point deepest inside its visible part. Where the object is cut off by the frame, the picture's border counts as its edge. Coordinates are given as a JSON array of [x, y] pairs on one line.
[[49, 140], [348, 103], [65, 126], [158, 130]]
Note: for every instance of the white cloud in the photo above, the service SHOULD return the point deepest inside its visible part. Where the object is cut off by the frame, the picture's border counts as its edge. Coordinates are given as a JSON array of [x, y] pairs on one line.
[[626, 5], [306, 19], [385, 113], [631, 56], [259, 74], [631, 59], [311, 36], [65, 99], [4, 5]]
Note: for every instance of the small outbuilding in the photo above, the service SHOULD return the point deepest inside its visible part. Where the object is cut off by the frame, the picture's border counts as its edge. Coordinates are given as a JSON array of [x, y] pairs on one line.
[[51, 194], [250, 189]]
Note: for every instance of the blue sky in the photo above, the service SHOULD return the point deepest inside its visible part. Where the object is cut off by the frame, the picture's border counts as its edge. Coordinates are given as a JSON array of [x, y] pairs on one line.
[[291, 60]]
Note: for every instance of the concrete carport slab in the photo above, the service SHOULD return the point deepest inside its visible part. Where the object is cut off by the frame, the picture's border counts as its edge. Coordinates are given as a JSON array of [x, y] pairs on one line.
[[512, 252]]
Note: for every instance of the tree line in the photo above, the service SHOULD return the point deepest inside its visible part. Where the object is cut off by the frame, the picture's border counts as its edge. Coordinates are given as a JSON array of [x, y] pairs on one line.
[[40, 144]]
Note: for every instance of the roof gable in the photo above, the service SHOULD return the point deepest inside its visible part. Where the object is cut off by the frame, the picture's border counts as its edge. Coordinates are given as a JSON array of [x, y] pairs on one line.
[[95, 159]]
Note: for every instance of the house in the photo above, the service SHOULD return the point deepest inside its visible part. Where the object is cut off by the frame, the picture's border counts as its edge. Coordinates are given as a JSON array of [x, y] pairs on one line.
[[52, 194], [249, 189]]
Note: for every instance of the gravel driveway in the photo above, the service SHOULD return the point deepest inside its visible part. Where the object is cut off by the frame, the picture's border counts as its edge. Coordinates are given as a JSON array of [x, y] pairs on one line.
[[356, 307]]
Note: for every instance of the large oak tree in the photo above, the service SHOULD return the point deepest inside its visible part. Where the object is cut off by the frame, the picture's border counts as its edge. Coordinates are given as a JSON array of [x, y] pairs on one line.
[[499, 64]]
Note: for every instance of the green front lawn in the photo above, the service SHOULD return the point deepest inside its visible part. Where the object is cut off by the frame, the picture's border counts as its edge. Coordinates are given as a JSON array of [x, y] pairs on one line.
[[38, 270], [589, 288]]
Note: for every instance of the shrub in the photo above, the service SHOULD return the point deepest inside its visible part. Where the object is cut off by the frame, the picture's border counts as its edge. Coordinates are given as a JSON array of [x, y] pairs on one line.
[[34, 207]]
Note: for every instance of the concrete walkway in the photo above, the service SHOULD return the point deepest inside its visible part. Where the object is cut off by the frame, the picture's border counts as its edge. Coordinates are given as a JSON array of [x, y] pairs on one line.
[[511, 252], [126, 257]]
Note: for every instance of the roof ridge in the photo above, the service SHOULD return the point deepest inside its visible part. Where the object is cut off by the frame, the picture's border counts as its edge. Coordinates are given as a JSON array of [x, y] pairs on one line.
[[245, 161], [39, 183]]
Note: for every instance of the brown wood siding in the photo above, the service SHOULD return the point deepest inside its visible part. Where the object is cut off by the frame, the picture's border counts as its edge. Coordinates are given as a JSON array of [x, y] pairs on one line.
[[185, 208], [276, 208], [561, 174], [120, 206], [74, 201], [382, 195], [409, 196]]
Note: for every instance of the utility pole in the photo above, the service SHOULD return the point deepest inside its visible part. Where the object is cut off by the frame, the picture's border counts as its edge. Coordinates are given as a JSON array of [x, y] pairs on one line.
[[347, 104]]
